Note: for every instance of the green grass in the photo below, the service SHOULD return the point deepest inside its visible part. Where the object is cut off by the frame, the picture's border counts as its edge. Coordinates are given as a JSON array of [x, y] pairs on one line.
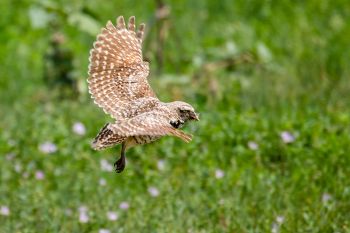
[[296, 79]]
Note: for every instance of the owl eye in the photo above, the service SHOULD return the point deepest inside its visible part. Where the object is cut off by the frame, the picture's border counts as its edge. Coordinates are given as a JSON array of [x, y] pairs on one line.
[[182, 111]]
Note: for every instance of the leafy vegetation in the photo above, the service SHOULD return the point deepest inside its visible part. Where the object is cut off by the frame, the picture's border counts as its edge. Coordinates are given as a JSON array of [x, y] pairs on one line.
[[270, 154]]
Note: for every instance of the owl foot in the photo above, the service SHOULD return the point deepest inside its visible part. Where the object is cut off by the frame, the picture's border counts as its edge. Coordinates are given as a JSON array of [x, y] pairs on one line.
[[119, 165], [177, 124]]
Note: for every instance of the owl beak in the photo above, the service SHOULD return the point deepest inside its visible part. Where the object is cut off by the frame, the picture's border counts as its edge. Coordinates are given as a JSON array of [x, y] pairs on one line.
[[195, 116]]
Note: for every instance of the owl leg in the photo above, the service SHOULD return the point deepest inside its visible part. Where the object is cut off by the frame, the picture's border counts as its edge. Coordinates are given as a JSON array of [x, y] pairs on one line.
[[120, 163]]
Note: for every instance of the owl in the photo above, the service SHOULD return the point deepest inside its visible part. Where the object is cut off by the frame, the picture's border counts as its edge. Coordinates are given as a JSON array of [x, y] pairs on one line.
[[118, 84]]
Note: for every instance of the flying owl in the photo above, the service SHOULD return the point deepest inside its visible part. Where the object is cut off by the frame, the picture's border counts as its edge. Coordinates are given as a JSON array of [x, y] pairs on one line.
[[118, 84]]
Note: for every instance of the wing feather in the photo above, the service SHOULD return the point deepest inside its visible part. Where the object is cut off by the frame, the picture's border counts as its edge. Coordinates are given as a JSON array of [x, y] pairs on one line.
[[117, 72]]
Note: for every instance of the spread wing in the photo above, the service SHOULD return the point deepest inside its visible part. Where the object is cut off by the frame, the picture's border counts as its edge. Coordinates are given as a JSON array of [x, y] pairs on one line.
[[117, 73], [153, 123]]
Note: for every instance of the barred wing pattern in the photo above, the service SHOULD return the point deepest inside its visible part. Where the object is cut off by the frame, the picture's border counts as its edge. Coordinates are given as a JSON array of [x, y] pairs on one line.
[[152, 123], [117, 73]]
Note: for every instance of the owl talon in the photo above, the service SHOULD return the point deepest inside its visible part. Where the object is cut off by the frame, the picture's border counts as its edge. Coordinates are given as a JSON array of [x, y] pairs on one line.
[[119, 165]]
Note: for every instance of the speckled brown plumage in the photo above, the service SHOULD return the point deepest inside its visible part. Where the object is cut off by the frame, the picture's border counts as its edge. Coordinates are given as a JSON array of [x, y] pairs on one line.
[[118, 84]]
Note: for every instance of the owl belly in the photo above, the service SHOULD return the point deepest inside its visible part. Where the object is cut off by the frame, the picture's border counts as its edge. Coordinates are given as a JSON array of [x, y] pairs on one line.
[[139, 140]]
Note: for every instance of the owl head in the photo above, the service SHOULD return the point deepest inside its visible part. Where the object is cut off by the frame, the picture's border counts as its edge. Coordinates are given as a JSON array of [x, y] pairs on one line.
[[185, 111]]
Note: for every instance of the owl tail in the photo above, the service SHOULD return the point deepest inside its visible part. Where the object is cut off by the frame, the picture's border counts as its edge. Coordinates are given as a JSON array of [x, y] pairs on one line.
[[106, 138]]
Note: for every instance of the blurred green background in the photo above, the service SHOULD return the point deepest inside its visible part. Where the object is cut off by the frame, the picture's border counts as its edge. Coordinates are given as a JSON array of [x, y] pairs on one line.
[[270, 154]]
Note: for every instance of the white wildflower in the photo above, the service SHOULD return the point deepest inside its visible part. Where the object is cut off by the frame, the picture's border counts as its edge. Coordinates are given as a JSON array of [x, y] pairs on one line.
[[39, 175], [48, 147], [326, 197], [253, 145], [79, 128], [153, 191], [112, 216], [124, 205], [275, 228], [83, 217], [161, 165], [4, 210], [219, 173], [287, 137], [102, 182], [104, 231], [279, 219], [277, 224]]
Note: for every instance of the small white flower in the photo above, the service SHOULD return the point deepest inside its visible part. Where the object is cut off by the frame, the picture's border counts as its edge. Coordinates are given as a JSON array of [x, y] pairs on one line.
[[219, 174], [279, 219], [124, 205], [79, 128], [39, 175], [102, 182], [153, 191], [161, 165], [221, 202], [83, 217], [112, 216], [277, 224], [253, 145], [275, 228], [104, 231], [287, 137], [326, 197], [106, 166], [48, 147], [4, 210]]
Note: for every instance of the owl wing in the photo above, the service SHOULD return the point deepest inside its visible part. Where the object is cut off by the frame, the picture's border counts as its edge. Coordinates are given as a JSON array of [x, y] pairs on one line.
[[117, 73], [152, 123]]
